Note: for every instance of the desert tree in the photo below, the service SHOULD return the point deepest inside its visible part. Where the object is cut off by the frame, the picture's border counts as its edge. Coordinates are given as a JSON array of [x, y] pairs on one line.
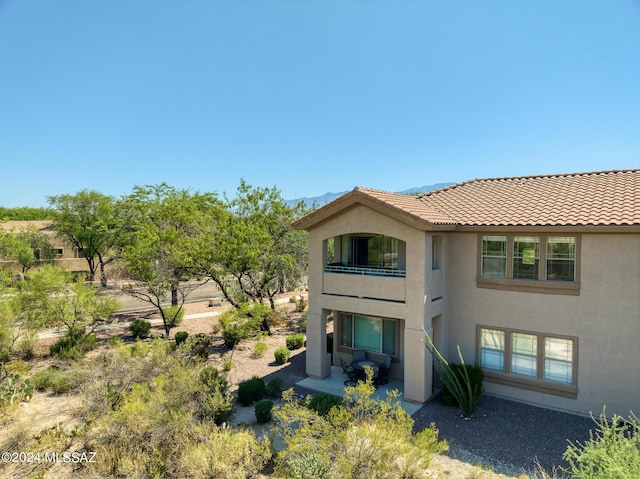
[[27, 246], [87, 220], [159, 226], [251, 251]]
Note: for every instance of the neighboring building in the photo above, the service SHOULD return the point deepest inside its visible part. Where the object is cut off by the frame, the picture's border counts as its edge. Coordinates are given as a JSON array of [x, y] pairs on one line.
[[66, 254], [537, 279]]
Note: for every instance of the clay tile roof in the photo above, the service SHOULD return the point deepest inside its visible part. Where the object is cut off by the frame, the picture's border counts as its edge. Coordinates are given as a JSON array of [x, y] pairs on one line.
[[408, 205], [598, 198]]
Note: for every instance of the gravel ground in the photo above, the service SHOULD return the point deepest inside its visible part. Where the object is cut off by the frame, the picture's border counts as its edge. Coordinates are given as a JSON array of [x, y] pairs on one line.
[[507, 436]]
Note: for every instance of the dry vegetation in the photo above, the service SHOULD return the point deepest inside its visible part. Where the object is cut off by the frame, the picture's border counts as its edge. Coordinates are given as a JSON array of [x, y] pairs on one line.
[[56, 422]]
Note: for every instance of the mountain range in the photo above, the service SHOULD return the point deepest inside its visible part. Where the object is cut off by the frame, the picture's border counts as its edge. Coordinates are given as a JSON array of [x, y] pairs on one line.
[[317, 201]]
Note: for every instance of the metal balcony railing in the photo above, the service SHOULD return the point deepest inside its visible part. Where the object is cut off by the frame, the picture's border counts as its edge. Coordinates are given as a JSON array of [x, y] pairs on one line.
[[330, 268]]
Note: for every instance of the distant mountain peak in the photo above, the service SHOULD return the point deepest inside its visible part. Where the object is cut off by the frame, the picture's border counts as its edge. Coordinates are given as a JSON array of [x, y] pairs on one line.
[[322, 200]]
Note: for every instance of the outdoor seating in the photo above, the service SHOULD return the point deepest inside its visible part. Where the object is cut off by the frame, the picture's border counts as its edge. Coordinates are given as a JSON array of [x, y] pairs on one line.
[[383, 372], [358, 355], [352, 373]]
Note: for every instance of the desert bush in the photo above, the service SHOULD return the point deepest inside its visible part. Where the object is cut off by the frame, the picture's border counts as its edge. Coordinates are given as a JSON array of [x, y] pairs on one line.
[[456, 379], [301, 304], [181, 337], [227, 363], [240, 324], [282, 355], [259, 349], [295, 341], [251, 390], [212, 378], [263, 411], [276, 319], [73, 346], [224, 454], [611, 452], [274, 387], [56, 380], [140, 328], [364, 437], [474, 372], [198, 347], [146, 431], [323, 402]]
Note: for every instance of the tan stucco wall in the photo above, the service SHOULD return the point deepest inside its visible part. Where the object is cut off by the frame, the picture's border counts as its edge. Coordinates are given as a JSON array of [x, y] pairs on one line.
[[605, 318], [411, 304]]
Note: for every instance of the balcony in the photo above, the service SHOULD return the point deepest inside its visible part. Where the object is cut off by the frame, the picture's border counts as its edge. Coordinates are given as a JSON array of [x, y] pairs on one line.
[[340, 268], [358, 282]]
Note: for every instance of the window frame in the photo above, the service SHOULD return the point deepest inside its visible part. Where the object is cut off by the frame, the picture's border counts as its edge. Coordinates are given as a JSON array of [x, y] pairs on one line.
[[508, 378], [540, 285]]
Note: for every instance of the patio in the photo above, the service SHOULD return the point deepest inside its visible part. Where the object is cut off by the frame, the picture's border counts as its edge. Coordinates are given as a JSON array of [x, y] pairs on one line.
[[334, 384]]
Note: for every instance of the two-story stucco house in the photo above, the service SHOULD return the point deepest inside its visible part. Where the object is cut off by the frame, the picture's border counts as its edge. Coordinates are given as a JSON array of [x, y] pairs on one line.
[[537, 279]]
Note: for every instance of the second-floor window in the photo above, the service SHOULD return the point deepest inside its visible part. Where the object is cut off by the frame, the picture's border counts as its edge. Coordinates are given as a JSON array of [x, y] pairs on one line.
[[544, 258]]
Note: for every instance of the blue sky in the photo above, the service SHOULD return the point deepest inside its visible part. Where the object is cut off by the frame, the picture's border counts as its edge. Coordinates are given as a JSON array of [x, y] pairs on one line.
[[311, 96]]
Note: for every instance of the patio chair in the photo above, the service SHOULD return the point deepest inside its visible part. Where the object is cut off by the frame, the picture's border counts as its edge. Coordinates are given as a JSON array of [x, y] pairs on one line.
[[358, 355], [352, 373], [383, 372]]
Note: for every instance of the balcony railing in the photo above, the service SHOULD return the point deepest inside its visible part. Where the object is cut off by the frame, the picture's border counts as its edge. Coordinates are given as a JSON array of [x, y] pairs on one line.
[[330, 268]]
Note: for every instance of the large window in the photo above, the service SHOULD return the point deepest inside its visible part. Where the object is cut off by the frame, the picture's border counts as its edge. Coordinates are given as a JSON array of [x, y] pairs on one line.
[[533, 360], [368, 333], [545, 259]]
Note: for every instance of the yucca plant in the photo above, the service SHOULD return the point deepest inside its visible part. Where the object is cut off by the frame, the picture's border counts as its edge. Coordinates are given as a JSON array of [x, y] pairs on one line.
[[457, 380]]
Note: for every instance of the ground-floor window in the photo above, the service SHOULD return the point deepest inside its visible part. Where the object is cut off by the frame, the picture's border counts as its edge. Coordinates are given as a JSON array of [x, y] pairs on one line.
[[368, 333], [528, 357]]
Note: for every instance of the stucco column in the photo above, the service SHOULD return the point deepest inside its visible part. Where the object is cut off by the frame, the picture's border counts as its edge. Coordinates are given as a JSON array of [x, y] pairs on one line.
[[318, 360], [417, 376]]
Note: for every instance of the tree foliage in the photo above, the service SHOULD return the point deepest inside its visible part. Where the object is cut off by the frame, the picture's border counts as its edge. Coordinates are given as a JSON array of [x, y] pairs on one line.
[[28, 246], [252, 252], [87, 220], [159, 227]]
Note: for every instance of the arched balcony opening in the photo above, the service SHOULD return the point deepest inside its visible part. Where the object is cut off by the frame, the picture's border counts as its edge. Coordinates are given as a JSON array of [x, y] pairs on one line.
[[365, 254]]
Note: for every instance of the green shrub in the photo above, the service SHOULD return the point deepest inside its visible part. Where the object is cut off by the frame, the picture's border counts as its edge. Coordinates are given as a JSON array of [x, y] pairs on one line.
[[242, 323], [295, 341], [323, 402], [263, 411], [330, 343], [274, 387], [251, 390], [212, 378], [259, 350], [227, 363], [456, 380], [58, 381], [475, 376], [74, 345], [140, 328], [612, 451], [181, 337], [282, 355], [301, 305], [199, 346]]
